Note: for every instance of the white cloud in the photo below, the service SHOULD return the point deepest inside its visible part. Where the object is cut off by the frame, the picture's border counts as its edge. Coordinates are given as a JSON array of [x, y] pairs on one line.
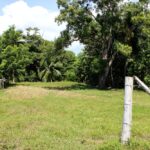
[[23, 16]]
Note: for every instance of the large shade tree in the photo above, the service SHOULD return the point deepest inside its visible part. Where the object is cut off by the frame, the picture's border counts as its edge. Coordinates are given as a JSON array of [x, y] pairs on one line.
[[105, 27], [95, 24]]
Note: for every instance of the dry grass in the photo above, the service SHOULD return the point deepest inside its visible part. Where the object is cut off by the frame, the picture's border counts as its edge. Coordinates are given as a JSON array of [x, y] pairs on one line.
[[28, 92], [72, 94], [25, 92]]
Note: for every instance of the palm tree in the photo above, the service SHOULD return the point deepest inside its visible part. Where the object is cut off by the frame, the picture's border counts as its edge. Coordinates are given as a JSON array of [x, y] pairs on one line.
[[51, 71]]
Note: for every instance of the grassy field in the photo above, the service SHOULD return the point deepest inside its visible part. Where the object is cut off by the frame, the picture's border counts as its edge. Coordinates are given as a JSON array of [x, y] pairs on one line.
[[69, 116]]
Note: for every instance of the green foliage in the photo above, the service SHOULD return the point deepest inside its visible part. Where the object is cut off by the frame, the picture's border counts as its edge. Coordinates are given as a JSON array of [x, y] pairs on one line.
[[147, 79], [88, 68], [140, 20], [10, 37], [14, 55], [111, 31], [51, 71], [124, 49], [70, 75], [31, 58]]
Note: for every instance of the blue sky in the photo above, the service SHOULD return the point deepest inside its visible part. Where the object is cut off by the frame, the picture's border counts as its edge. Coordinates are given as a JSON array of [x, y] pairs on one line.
[[49, 4]]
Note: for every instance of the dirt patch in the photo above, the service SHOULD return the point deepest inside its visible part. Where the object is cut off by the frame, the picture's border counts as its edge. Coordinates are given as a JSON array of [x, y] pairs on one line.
[[29, 92], [26, 92], [72, 94]]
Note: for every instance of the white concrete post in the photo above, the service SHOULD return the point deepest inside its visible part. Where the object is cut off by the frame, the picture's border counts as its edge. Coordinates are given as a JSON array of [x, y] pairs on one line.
[[127, 117]]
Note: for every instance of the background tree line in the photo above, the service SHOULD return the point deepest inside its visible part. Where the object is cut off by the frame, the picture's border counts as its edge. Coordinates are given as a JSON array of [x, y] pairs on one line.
[[31, 58], [116, 36]]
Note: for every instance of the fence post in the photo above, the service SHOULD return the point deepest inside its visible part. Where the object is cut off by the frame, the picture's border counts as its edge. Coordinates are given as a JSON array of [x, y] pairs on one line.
[[144, 86], [127, 117]]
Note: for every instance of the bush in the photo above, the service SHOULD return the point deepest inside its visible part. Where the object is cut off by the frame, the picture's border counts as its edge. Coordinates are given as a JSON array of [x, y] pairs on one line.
[[70, 75], [147, 80]]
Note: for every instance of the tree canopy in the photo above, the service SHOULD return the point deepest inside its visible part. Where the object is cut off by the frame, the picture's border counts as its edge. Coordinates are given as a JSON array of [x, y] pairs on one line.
[[29, 57], [114, 32]]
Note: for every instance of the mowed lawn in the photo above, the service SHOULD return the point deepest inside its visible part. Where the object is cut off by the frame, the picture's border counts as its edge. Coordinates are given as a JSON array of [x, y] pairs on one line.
[[69, 116]]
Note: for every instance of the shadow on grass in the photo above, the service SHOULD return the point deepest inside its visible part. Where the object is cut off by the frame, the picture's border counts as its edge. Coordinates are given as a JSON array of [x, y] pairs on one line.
[[74, 86], [8, 85], [82, 86], [77, 86]]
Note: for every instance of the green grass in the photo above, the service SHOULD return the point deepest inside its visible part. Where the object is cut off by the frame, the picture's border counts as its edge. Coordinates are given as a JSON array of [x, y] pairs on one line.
[[70, 116]]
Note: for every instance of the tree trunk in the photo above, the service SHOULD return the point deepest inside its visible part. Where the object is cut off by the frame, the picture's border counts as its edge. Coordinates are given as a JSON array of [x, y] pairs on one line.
[[13, 76], [1, 84], [103, 77], [110, 40], [112, 78], [125, 67]]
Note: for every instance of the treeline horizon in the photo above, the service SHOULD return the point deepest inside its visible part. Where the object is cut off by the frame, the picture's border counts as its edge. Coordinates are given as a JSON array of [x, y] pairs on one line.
[[116, 39], [29, 57]]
